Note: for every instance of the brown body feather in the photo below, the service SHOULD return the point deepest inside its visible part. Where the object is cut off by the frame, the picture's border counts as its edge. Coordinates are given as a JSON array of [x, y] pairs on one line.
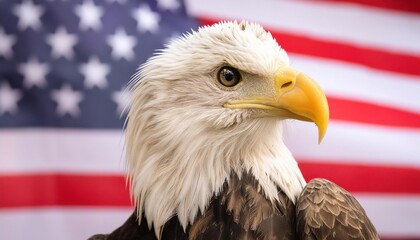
[[241, 211]]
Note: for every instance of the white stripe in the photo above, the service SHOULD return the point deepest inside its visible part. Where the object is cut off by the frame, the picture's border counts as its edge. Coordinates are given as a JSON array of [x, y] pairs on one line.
[[80, 223], [354, 143], [366, 26], [353, 81], [60, 223], [42, 150], [58, 150], [393, 216]]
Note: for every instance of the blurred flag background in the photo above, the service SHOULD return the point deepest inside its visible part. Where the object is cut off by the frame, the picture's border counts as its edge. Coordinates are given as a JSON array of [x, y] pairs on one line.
[[64, 65]]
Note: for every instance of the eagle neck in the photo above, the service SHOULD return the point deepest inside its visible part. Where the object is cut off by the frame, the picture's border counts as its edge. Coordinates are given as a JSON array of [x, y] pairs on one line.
[[180, 177]]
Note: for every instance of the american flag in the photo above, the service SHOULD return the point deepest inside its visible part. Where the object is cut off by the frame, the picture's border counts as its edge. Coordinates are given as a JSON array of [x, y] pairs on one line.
[[64, 66]]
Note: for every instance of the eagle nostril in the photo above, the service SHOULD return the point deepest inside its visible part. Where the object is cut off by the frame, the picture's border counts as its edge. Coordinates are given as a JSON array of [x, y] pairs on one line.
[[285, 85]]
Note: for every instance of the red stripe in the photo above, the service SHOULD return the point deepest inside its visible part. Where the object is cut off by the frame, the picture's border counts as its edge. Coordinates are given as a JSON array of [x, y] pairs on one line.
[[370, 57], [96, 190], [370, 113], [62, 190], [365, 178], [411, 6]]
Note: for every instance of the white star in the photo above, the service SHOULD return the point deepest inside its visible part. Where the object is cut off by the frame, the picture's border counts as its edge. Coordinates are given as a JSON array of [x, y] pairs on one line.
[[67, 101], [121, 98], [8, 99], [95, 73], [147, 20], [6, 43], [34, 73], [122, 44], [170, 5], [29, 15], [62, 43], [90, 15]]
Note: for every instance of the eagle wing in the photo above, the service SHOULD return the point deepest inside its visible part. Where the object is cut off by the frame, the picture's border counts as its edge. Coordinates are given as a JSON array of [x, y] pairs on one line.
[[326, 211]]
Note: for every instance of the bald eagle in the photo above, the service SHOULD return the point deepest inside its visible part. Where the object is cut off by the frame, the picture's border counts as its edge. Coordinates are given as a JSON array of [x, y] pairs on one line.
[[204, 148]]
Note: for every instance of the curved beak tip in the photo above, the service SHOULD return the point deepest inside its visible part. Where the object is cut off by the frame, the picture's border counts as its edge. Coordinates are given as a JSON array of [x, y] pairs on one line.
[[322, 121], [321, 133]]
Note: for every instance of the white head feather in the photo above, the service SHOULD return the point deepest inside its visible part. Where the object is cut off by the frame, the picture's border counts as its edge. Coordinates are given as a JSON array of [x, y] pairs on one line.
[[182, 144]]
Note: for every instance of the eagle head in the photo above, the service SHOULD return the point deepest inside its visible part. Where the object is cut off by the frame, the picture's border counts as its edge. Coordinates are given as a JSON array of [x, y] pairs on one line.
[[211, 104]]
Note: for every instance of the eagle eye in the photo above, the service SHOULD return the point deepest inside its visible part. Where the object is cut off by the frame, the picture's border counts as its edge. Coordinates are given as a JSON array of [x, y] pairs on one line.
[[228, 76]]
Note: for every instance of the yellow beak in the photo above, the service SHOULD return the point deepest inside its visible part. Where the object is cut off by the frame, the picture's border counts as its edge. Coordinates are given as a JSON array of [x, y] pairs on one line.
[[296, 96]]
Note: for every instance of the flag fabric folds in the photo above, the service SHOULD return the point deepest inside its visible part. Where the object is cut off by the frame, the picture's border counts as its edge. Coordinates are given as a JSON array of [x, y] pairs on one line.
[[64, 66]]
